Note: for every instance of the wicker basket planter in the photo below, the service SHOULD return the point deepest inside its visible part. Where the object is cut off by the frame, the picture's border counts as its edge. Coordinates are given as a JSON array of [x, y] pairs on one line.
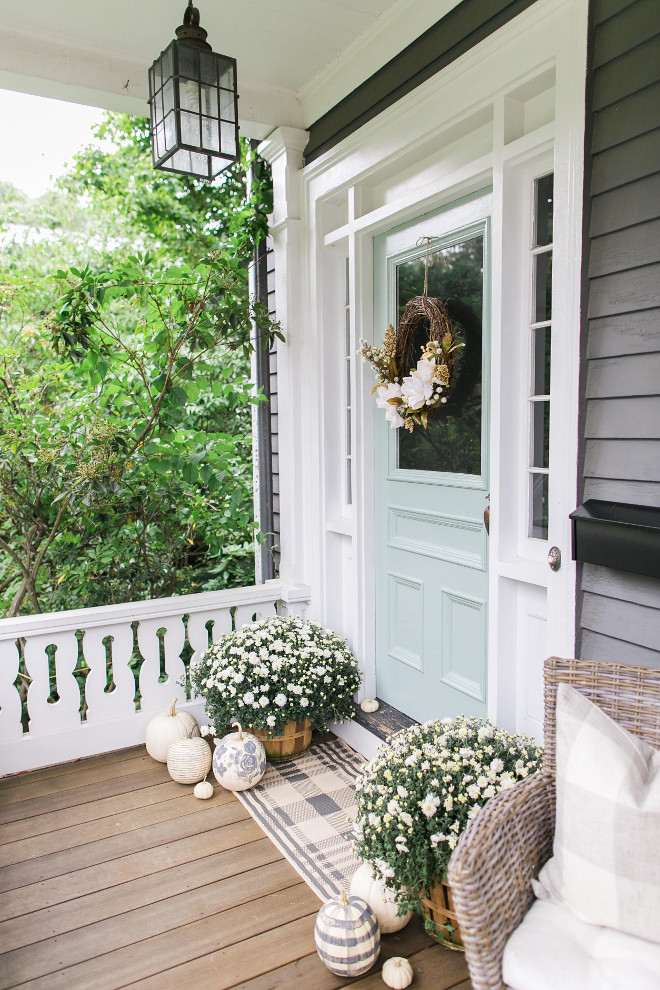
[[438, 907], [295, 739]]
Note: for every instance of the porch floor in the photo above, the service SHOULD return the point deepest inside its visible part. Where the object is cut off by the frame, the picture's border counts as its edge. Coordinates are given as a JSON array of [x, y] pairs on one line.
[[112, 875]]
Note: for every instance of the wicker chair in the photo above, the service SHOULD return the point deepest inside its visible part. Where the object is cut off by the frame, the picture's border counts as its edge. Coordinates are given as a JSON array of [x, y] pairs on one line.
[[508, 843]]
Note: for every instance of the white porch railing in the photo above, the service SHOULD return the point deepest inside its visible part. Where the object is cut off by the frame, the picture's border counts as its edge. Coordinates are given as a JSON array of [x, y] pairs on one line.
[[81, 688]]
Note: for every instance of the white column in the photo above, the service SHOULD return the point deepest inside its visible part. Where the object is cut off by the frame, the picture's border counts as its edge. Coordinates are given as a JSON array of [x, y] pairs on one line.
[[284, 150]]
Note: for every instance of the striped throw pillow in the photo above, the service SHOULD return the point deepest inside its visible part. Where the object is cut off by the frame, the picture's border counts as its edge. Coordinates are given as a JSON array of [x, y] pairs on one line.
[[605, 867]]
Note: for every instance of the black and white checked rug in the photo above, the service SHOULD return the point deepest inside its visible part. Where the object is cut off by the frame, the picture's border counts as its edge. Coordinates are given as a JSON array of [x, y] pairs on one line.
[[304, 808]]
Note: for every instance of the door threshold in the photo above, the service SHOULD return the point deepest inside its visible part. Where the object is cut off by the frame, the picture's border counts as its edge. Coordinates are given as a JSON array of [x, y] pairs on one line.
[[383, 722]]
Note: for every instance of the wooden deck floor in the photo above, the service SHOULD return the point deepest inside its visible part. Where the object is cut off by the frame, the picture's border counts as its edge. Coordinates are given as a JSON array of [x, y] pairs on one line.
[[112, 875]]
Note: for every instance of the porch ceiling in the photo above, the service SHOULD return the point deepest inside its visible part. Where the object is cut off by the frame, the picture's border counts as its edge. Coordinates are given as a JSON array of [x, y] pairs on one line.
[[295, 60]]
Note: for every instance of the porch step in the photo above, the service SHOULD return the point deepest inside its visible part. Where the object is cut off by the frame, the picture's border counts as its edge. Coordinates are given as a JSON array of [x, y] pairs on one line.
[[383, 722]]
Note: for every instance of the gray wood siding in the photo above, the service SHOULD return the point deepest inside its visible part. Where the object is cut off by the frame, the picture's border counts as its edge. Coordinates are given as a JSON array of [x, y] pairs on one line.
[[619, 613]]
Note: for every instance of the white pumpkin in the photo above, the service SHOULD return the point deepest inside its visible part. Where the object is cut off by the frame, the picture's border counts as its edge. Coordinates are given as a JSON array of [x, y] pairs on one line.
[[166, 728], [203, 790], [189, 760], [397, 973], [380, 899], [369, 705], [239, 760], [347, 936]]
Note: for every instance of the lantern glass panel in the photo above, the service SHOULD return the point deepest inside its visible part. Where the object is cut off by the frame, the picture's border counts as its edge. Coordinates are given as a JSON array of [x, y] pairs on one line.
[[160, 147], [210, 134], [227, 105], [188, 62], [199, 164], [189, 95], [190, 129], [166, 63], [168, 97], [170, 132], [226, 74], [207, 68], [210, 101], [228, 138]]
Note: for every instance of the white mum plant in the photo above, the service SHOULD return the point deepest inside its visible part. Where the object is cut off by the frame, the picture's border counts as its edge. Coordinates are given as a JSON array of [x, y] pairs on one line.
[[278, 670], [422, 789]]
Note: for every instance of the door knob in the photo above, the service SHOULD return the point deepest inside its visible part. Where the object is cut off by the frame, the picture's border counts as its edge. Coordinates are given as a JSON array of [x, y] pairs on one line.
[[487, 515], [554, 558]]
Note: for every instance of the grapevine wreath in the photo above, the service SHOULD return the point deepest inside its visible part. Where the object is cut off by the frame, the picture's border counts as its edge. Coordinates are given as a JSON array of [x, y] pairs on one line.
[[408, 400]]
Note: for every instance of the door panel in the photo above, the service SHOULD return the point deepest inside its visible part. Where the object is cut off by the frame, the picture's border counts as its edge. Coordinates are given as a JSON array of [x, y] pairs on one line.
[[431, 485]]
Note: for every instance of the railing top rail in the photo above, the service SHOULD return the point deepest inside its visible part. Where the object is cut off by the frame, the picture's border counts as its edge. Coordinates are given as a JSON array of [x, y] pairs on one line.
[[87, 618]]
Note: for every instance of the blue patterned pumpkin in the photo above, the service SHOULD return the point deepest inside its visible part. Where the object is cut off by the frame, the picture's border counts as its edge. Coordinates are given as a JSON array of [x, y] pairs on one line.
[[239, 760], [347, 935]]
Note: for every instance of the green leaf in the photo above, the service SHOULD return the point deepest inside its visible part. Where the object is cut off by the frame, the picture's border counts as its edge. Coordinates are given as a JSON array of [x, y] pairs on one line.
[[190, 473]]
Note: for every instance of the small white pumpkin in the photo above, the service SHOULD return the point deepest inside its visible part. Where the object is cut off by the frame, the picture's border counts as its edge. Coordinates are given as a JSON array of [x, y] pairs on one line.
[[189, 760], [397, 973], [380, 899], [239, 760], [347, 936], [203, 790], [166, 728], [369, 705]]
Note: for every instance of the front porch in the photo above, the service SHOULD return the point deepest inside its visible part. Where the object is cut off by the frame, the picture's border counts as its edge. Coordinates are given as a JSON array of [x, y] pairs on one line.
[[112, 875]]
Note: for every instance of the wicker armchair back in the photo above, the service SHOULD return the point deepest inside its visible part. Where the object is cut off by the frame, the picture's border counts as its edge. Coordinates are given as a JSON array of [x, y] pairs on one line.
[[629, 695]]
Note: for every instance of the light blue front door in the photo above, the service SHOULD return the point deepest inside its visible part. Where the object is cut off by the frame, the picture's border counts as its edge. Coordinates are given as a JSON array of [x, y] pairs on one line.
[[432, 485]]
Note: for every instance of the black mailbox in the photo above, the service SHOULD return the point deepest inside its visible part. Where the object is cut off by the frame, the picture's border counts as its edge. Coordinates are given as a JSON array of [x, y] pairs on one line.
[[613, 534]]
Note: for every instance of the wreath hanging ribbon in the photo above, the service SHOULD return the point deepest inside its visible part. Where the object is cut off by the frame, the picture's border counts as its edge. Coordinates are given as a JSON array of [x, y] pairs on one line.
[[409, 400]]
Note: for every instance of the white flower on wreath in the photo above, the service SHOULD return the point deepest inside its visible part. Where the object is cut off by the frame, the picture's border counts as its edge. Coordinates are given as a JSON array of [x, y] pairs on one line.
[[383, 394], [418, 386]]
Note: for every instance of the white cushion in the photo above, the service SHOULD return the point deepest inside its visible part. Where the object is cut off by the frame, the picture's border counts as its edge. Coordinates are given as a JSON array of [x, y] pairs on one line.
[[605, 867], [552, 950]]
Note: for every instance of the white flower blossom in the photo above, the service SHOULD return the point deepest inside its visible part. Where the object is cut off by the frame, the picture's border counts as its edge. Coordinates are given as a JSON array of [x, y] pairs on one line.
[[383, 394], [429, 805], [418, 386]]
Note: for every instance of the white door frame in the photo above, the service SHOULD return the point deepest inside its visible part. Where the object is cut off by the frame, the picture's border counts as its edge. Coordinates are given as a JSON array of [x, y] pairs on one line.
[[483, 121]]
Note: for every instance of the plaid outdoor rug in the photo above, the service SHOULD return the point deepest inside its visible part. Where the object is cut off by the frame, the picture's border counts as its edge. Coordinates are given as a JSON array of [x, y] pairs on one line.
[[303, 807]]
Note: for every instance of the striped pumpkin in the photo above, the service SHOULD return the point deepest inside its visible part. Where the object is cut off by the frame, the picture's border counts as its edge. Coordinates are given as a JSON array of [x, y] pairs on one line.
[[347, 935]]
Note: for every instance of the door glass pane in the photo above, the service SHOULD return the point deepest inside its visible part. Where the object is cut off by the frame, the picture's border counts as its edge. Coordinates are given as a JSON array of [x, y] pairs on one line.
[[452, 442]]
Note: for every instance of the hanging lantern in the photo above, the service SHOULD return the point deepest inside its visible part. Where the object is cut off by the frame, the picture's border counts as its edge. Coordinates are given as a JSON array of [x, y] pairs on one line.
[[193, 101]]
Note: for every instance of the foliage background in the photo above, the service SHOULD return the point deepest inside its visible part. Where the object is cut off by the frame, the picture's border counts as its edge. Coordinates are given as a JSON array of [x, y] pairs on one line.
[[123, 308]]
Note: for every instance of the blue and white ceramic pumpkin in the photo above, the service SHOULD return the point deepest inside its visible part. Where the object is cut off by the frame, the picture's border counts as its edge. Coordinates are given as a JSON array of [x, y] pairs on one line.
[[347, 935], [239, 760]]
